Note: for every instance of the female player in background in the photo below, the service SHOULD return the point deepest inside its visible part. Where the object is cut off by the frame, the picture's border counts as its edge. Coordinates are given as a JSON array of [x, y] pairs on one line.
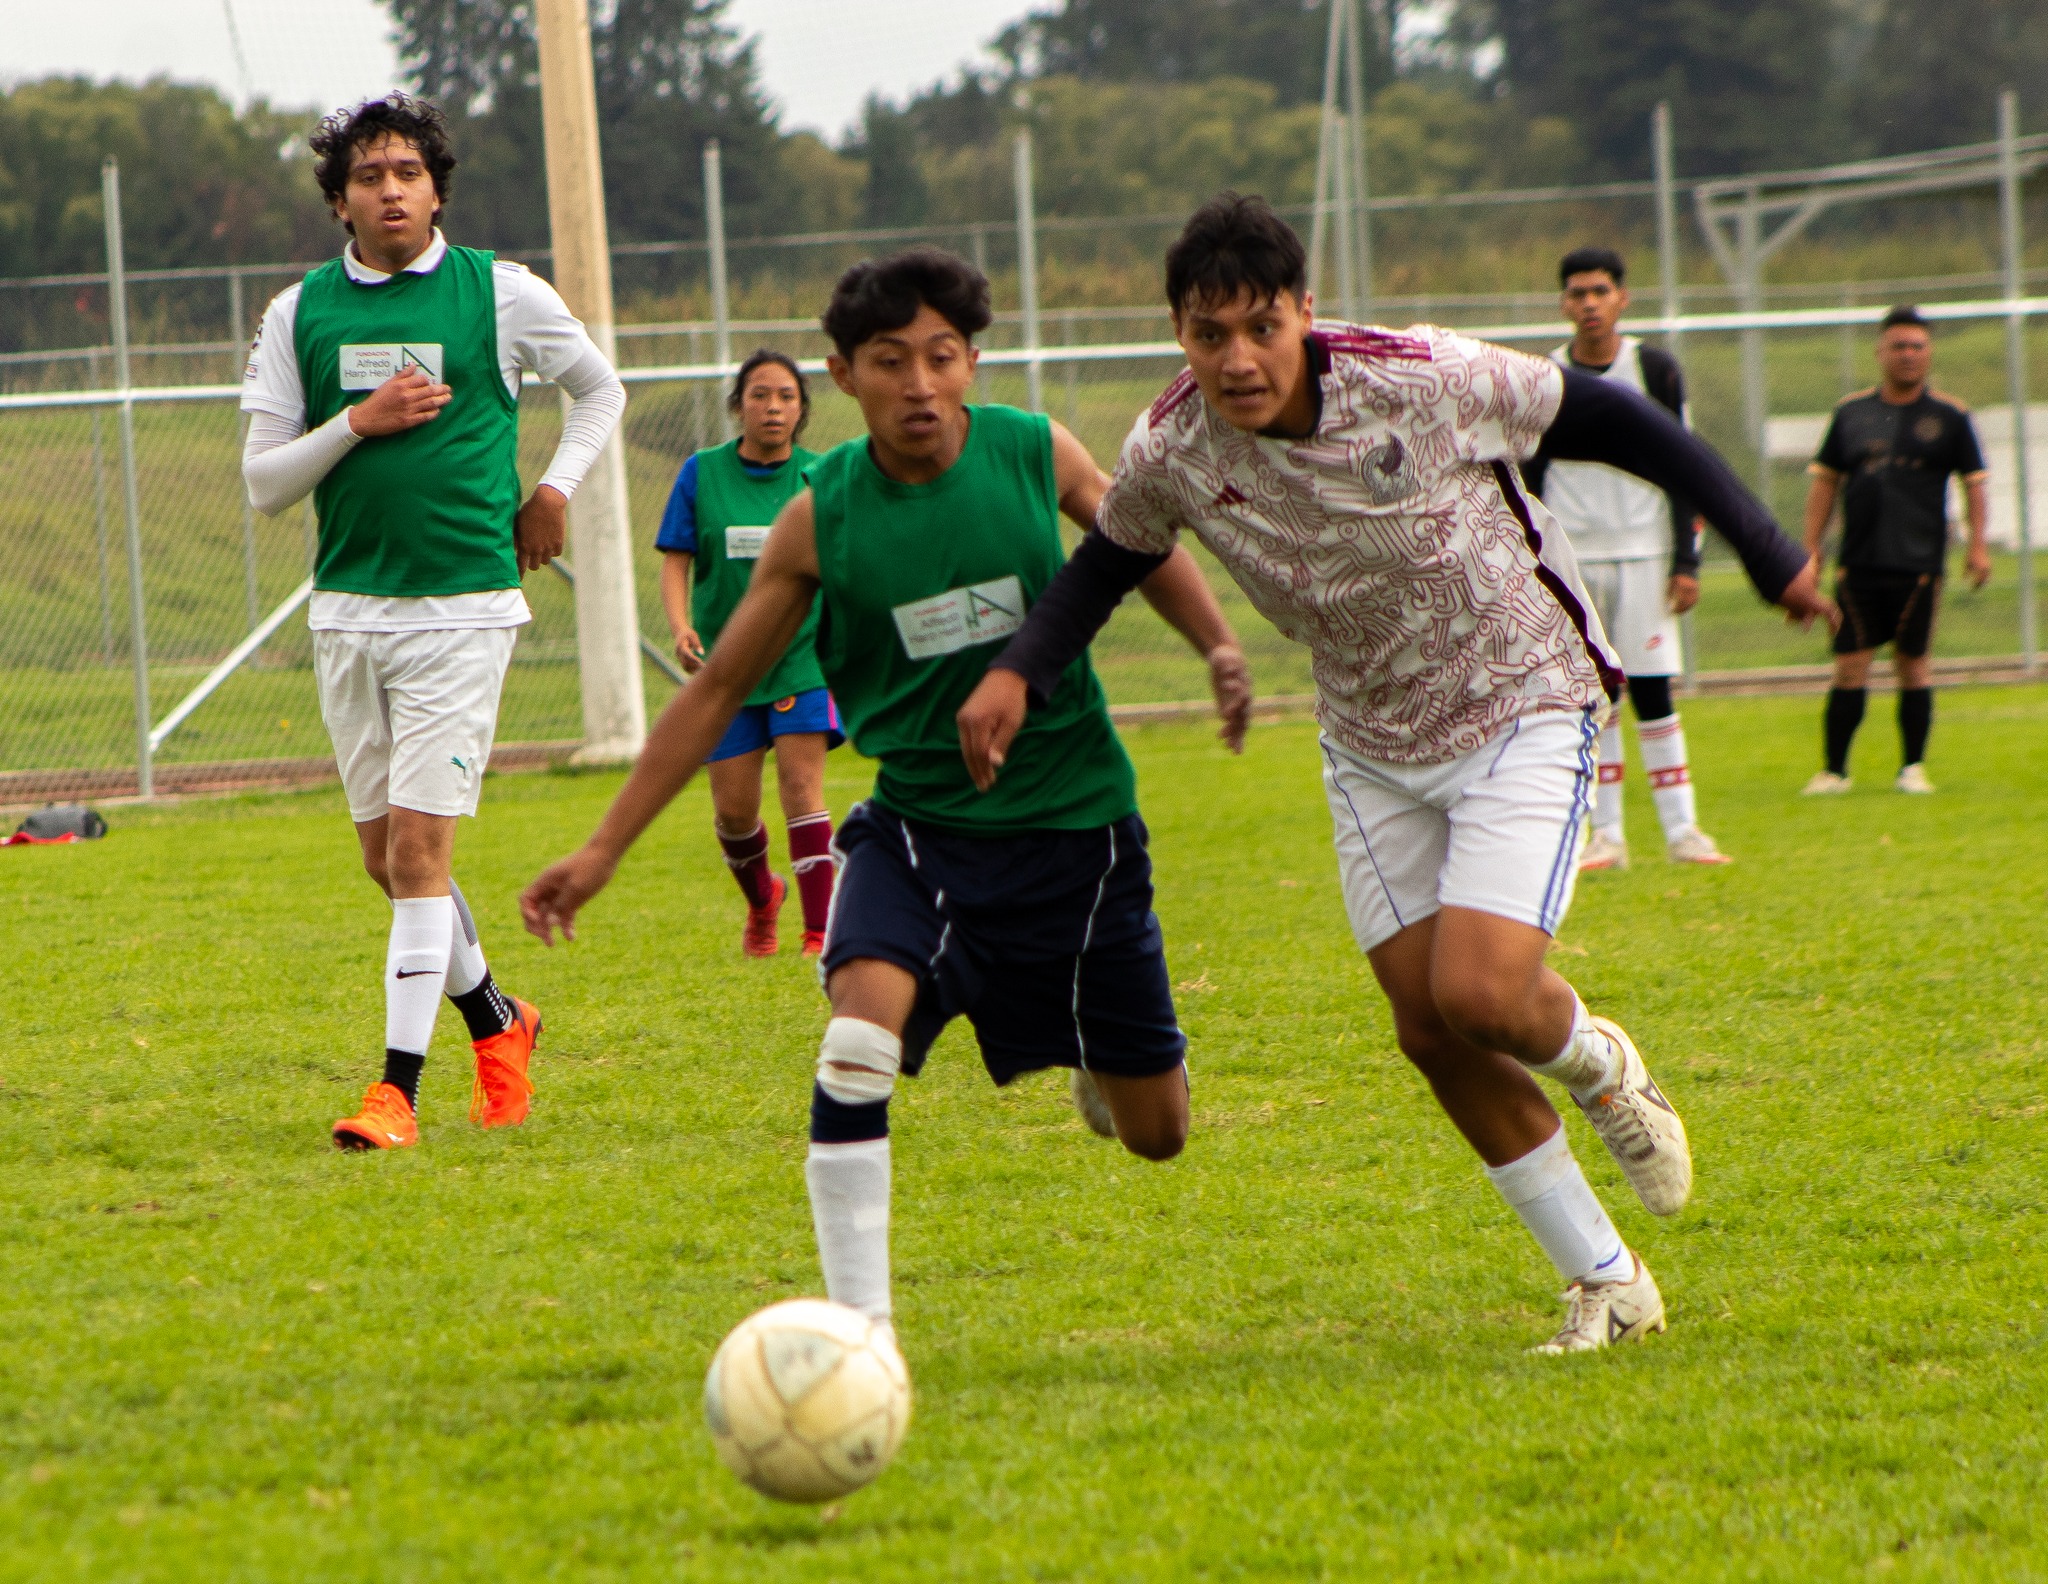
[[711, 535]]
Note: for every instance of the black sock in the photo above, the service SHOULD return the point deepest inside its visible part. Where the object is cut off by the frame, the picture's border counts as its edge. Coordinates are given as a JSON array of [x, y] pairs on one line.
[[1916, 719], [485, 1008], [1845, 714], [402, 1071]]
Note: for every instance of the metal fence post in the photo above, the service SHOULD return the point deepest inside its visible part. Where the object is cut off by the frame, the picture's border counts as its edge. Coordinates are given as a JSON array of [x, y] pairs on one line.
[[138, 636], [1360, 305], [1027, 270], [1325, 151], [2016, 362], [237, 319], [721, 307], [978, 236], [1347, 272], [1667, 275], [1755, 395], [99, 521]]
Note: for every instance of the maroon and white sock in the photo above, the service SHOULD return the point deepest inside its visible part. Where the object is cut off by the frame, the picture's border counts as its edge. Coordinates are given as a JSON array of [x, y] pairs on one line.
[[810, 855], [747, 858], [1670, 779]]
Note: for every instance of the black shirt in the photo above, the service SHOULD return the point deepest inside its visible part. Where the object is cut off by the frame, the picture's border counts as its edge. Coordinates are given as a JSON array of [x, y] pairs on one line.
[[1896, 461]]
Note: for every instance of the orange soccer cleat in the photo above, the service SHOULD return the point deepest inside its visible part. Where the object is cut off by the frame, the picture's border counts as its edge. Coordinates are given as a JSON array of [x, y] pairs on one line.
[[385, 1122], [760, 939], [502, 1092], [814, 943]]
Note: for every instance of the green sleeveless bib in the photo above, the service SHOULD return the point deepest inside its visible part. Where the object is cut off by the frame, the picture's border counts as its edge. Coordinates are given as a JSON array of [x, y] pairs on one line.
[[922, 586], [428, 511], [734, 512]]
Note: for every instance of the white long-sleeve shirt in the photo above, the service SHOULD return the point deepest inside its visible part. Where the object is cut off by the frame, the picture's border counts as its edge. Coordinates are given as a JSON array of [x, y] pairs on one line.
[[282, 463]]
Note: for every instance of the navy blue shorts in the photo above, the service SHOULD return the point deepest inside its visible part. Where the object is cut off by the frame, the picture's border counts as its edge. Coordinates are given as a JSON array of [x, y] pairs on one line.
[[758, 725], [1045, 942]]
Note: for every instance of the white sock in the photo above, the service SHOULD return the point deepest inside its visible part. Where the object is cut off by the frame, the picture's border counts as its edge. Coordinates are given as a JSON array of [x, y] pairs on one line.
[[1589, 1063], [849, 1186], [415, 970], [1670, 779], [1551, 1195], [466, 966], [1607, 796]]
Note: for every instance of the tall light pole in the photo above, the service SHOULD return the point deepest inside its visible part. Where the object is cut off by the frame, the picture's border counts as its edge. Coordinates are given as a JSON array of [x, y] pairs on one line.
[[600, 530]]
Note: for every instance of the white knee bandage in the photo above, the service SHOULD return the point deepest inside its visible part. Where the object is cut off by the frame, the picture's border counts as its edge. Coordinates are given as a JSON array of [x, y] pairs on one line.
[[858, 1062]]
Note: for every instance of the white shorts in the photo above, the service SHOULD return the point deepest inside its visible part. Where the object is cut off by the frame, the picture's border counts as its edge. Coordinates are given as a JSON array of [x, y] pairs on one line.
[[1634, 602], [412, 714], [1496, 830]]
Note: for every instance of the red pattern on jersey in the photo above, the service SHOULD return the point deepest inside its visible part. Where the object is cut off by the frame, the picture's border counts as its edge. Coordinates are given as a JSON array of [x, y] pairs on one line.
[[1378, 344], [1180, 390]]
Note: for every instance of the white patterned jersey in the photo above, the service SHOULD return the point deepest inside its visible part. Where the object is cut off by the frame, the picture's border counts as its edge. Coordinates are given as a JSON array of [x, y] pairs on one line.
[[1438, 598]]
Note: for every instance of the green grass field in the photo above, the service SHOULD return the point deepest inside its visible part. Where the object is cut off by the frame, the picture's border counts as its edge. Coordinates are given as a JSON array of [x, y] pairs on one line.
[[1296, 1352]]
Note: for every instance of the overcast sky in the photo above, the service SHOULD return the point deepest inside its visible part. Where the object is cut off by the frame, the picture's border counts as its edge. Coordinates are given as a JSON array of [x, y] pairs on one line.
[[819, 58]]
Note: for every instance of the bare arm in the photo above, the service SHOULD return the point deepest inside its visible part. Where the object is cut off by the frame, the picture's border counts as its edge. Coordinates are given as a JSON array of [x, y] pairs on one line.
[[1820, 506], [777, 600], [1977, 511], [676, 566]]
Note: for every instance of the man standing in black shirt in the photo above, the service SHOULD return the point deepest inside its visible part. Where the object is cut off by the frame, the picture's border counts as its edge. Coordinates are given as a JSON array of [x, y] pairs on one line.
[[1896, 447]]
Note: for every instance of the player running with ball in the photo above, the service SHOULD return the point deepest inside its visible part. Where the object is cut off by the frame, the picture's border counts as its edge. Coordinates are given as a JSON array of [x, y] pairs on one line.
[[1363, 488], [1029, 909], [386, 384]]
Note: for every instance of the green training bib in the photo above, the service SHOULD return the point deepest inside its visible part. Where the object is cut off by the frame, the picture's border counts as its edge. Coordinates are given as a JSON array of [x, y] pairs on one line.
[[735, 510], [428, 511], [922, 585]]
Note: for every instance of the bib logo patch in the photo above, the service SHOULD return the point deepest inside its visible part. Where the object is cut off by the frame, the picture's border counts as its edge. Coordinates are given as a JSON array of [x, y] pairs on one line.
[[960, 618], [744, 544], [365, 366]]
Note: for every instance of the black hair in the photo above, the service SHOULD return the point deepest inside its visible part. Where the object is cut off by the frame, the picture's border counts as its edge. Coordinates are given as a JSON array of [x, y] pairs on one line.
[[761, 357], [419, 123], [1904, 314], [1232, 244], [1585, 260], [879, 295]]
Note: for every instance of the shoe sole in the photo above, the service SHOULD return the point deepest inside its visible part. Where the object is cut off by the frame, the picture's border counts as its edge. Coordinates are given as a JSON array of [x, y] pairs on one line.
[[1616, 1032], [351, 1142]]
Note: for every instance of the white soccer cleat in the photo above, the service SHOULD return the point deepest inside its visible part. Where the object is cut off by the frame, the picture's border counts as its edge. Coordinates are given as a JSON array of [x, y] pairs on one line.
[[1603, 852], [1913, 779], [1600, 1314], [1641, 1130], [1089, 1102], [1697, 847], [1826, 784]]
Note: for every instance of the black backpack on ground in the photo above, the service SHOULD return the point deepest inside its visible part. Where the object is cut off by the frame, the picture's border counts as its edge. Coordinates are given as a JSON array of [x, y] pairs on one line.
[[63, 819]]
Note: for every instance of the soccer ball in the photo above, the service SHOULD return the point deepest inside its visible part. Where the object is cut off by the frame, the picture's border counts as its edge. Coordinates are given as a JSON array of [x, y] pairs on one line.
[[807, 1400]]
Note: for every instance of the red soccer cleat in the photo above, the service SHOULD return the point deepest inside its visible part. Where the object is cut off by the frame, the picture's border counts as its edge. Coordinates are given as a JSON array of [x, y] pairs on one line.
[[502, 1093], [760, 939], [385, 1122]]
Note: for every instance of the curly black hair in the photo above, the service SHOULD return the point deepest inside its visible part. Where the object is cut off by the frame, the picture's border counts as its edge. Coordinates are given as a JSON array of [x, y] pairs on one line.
[[761, 357], [419, 123], [879, 295]]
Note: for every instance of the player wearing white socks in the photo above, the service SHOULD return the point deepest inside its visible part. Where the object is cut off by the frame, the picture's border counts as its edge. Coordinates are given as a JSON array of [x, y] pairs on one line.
[[386, 385], [1362, 488], [1625, 534]]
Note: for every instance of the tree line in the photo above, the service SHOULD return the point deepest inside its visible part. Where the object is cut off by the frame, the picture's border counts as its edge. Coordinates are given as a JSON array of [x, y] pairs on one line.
[[1137, 107]]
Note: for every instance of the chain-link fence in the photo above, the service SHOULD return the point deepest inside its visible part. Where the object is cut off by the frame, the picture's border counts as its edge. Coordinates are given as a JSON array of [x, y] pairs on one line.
[[211, 580]]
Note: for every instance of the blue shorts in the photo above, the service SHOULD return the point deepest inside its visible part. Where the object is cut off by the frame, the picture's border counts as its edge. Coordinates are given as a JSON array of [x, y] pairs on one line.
[[1045, 942], [758, 725]]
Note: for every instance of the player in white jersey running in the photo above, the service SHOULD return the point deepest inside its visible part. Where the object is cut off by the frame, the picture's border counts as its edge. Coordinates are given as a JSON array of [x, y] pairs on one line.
[[386, 384], [1638, 554], [1363, 488]]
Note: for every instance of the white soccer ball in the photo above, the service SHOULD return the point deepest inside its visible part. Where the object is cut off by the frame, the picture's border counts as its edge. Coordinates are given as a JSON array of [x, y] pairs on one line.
[[807, 1400]]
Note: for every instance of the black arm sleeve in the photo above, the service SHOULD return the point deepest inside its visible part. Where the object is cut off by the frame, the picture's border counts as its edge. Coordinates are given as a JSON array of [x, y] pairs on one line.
[[1601, 421], [1666, 385], [1071, 611]]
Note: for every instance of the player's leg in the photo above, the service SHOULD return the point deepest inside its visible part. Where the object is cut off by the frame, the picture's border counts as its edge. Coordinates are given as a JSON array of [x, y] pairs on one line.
[[1855, 645], [1910, 654], [1664, 761], [1505, 886], [800, 783], [886, 932], [734, 771], [1607, 847]]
